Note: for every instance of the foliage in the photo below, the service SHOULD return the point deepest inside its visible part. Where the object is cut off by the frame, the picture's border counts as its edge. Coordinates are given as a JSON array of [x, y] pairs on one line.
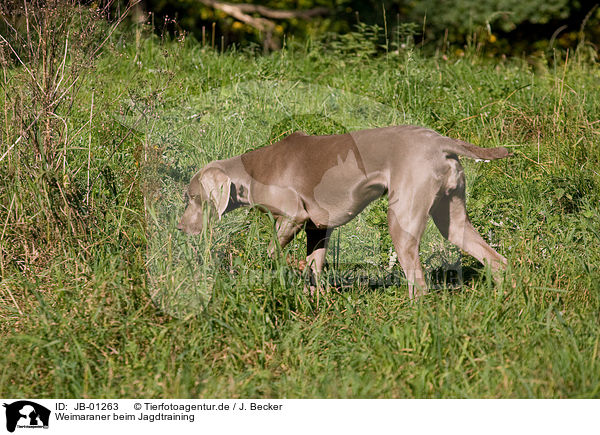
[[505, 27], [510, 26], [56, 195]]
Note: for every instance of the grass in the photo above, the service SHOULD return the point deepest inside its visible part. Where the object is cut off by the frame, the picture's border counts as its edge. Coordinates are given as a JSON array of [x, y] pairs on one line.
[[122, 310]]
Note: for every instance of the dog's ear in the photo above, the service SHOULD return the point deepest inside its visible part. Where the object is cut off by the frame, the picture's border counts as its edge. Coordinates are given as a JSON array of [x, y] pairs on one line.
[[217, 186]]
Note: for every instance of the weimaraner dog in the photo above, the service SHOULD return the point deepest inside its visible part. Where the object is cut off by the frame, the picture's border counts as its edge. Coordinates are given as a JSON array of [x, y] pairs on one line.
[[321, 182]]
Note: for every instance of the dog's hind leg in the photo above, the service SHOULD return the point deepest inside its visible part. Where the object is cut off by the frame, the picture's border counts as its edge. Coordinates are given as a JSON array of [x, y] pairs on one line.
[[450, 216]]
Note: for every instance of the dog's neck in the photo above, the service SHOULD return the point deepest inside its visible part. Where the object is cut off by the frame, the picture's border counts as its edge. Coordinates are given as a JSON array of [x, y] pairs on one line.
[[239, 195]]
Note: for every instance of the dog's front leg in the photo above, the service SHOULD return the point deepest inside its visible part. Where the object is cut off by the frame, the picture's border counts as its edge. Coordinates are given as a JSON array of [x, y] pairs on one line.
[[286, 229], [406, 227], [317, 241]]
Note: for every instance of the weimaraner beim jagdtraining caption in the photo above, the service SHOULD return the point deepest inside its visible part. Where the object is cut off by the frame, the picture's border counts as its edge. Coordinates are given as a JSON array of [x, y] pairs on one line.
[[321, 182]]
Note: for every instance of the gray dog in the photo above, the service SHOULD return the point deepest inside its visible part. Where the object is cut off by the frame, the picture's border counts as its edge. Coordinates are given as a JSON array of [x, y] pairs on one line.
[[321, 182]]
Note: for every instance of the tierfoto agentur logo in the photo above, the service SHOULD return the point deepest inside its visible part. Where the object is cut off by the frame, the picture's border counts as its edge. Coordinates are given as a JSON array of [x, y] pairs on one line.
[[25, 414]]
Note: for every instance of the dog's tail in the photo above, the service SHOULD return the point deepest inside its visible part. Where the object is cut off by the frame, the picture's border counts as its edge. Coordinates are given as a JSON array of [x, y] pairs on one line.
[[455, 146]]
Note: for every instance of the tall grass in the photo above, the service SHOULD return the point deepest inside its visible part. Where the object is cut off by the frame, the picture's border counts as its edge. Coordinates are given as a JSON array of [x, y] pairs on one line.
[[80, 306]]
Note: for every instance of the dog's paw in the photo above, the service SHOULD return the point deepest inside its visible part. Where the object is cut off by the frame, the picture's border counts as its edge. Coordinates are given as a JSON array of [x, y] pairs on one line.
[[295, 263]]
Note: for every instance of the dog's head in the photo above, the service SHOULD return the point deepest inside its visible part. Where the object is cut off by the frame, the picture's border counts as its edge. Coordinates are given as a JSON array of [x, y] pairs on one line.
[[207, 194]]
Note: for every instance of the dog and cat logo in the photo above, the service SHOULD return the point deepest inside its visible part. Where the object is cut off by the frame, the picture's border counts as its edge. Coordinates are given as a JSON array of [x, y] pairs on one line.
[[25, 414]]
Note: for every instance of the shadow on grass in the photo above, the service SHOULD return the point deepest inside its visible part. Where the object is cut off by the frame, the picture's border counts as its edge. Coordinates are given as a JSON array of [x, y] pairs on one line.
[[372, 279]]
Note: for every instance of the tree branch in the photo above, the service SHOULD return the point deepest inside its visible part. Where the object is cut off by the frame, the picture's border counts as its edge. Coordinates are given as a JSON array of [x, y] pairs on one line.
[[283, 14], [241, 11]]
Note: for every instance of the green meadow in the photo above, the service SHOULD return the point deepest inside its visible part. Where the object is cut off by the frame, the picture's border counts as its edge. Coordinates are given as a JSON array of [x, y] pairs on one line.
[[101, 296]]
